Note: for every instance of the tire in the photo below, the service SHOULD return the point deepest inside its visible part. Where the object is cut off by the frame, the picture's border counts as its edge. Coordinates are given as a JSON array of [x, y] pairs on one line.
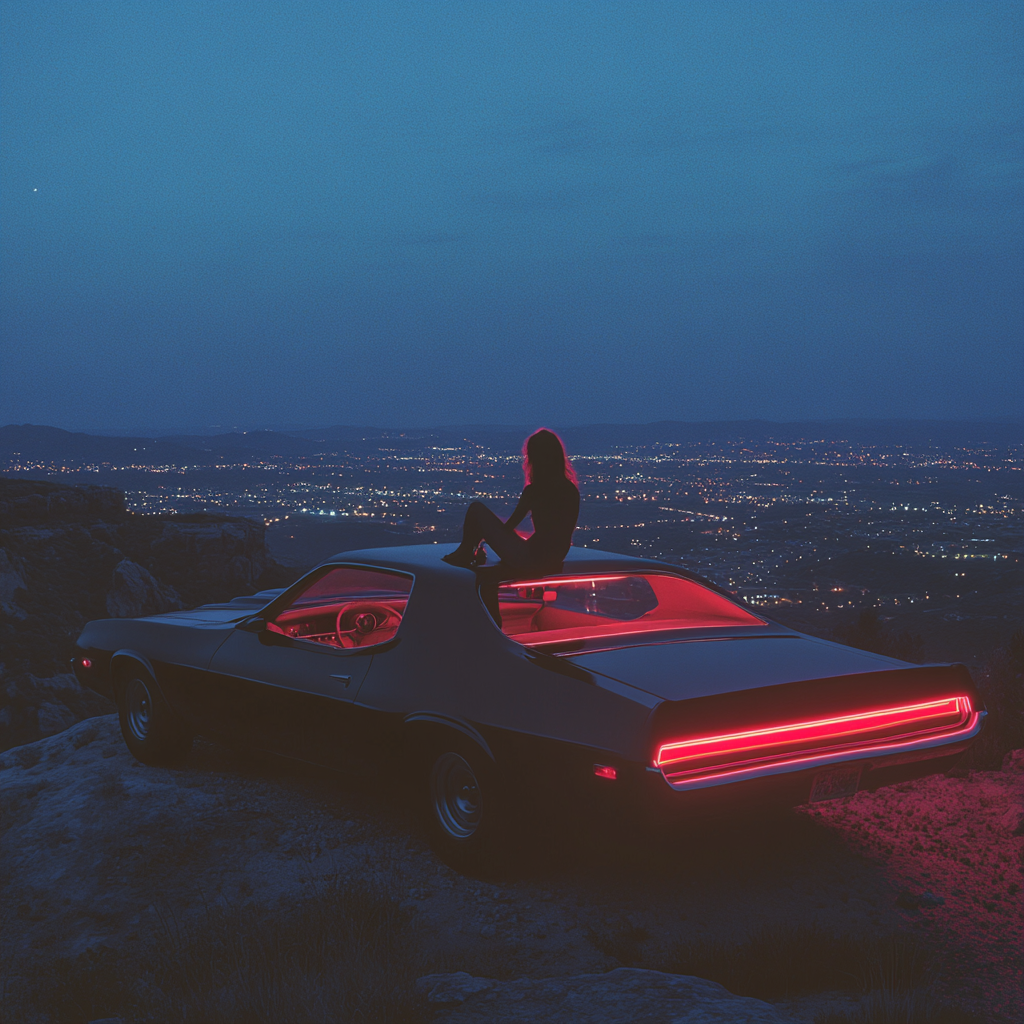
[[152, 731], [467, 820]]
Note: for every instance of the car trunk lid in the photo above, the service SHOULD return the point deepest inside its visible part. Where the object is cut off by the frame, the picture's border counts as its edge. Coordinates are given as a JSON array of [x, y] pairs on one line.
[[685, 669]]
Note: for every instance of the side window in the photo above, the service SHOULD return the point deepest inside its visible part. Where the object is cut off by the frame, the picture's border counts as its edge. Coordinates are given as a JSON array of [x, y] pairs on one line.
[[347, 607]]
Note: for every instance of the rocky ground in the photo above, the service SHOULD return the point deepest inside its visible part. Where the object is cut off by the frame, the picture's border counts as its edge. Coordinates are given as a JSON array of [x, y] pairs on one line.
[[97, 849]]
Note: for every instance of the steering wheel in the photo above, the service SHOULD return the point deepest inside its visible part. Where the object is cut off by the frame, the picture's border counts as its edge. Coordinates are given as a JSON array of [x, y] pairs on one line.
[[356, 622]]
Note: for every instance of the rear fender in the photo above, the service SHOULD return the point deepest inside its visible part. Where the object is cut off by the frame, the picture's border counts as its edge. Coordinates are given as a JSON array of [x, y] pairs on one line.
[[422, 722], [119, 667]]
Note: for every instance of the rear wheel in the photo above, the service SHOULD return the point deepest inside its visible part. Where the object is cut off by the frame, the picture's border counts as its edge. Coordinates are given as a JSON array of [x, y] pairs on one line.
[[466, 816], [152, 731]]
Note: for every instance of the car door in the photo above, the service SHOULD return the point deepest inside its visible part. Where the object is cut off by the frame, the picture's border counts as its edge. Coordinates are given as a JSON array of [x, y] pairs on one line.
[[287, 683]]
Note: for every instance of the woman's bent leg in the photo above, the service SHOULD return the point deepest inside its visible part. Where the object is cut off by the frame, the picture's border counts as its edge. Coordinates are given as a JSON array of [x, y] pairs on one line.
[[487, 527], [481, 524]]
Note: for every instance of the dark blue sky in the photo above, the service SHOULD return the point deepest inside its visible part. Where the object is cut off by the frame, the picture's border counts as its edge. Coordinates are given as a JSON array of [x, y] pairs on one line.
[[419, 213]]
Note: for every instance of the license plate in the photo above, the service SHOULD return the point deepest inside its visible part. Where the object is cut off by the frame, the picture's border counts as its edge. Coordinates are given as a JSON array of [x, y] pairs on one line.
[[834, 784]]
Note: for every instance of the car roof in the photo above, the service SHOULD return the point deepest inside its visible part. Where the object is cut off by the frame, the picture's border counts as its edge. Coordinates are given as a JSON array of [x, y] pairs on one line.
[[426, 558]]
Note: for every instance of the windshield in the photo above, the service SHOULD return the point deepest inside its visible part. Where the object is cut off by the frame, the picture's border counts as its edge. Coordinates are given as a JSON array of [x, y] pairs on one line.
[[580, 612]]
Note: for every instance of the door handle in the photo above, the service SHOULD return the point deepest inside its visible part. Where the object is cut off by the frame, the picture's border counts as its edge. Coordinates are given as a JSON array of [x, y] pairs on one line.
[[345, 679]]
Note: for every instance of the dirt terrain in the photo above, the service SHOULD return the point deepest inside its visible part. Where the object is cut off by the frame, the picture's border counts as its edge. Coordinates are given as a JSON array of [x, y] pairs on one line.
[[98, 849]]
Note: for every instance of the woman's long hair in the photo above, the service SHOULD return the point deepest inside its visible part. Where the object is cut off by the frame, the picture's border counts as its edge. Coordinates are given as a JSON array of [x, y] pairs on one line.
[[544, 459]]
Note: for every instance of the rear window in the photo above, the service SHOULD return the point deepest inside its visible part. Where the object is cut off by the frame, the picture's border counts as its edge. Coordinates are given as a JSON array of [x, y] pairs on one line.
[[580, 612]]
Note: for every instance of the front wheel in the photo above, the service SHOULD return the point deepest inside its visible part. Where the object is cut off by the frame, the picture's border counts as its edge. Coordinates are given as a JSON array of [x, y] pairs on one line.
[[466, 817], [152, 731]]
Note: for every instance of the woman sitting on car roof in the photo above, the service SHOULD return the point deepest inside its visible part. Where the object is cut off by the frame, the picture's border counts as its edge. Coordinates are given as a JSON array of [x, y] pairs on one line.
[[550, 497]]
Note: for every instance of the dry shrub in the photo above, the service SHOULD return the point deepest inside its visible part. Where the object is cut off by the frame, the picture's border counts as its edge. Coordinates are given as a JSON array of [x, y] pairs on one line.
[[341, 954]]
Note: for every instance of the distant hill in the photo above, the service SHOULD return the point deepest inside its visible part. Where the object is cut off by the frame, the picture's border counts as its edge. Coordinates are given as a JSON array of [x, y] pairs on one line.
[[596, 437], [945, 433], [49, 444], [28, 443], [264, 442]]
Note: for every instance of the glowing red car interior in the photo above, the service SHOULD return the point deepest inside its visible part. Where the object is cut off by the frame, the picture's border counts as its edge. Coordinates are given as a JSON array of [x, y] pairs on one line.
[[612, 609], [880, 729], [346, 607]]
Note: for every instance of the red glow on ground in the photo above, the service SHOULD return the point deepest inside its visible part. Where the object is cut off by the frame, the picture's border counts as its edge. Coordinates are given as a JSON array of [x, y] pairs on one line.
[[605, 771], [734, 753], [954, 837]]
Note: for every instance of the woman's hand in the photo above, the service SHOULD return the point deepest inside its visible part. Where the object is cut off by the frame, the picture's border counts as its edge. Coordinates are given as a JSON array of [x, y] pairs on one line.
[[522, 510]]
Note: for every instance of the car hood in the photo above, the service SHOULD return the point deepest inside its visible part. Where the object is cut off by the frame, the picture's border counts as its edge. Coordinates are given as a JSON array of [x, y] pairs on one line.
[[201, 616], [235, 610], [684, 669]]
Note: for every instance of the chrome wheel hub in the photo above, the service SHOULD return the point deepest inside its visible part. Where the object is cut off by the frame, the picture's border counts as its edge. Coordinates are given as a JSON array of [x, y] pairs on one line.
[[456, 795], [138, 708]]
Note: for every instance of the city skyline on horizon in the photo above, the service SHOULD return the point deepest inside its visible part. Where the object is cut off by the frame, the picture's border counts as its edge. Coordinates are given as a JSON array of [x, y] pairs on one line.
[[214, 429]]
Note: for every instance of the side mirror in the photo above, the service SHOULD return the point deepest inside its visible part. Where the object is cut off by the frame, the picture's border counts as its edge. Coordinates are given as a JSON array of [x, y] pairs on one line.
[[256, 625]]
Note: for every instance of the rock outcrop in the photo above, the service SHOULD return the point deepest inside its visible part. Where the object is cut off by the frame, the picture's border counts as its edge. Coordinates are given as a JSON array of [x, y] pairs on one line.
[[622, 996], [235, 548], [34, 707], [71, 554], [34, 503], [136, 592]]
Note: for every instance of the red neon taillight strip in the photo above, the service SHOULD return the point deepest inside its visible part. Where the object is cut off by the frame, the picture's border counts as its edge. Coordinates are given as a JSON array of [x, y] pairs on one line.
[[775, 742], [875, 748], [555, 581]]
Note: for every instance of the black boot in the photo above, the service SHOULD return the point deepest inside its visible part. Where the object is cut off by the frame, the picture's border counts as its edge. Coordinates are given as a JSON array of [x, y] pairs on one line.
[[462, 557]]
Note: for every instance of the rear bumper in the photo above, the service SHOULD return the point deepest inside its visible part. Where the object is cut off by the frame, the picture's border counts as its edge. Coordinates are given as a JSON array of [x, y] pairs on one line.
[[789, 785]]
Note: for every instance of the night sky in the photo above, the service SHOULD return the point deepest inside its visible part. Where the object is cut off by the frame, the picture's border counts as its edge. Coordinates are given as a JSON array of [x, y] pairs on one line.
[[294, 213]]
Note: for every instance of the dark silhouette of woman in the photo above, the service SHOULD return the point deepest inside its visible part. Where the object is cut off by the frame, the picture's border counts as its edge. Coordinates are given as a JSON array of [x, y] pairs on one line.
[[550, 497]]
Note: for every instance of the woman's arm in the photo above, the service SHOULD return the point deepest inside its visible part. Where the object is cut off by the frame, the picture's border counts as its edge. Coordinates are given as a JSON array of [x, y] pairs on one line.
[[521, 511]]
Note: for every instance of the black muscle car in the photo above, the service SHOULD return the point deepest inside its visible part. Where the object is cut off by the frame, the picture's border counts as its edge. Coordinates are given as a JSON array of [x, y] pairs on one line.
[[619, 680]]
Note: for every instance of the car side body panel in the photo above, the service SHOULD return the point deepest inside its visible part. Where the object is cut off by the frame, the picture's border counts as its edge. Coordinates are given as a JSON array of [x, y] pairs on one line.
[[488, 680]]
